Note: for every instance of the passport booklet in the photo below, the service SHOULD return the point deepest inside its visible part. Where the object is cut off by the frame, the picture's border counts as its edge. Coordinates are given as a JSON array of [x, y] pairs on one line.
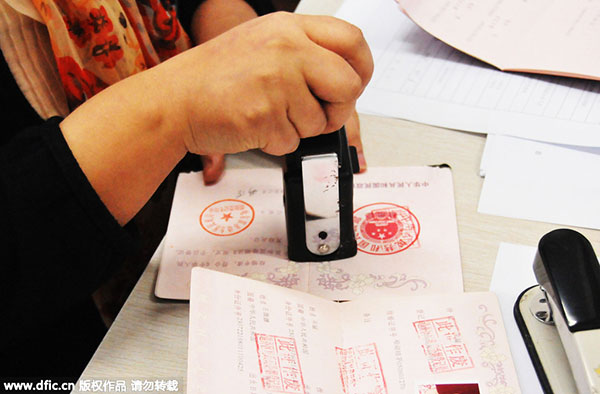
[[251, 337], [404, 223]]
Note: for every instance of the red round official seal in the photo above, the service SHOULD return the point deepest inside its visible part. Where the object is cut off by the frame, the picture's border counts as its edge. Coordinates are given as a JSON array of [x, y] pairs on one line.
[[385, 228], [227, 217]]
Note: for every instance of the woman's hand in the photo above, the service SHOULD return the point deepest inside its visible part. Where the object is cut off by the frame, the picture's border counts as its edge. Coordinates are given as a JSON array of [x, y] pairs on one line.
[[267, 83], [214, 17], [261, 85]]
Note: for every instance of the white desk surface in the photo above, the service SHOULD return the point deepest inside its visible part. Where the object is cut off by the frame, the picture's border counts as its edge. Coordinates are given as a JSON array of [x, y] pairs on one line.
[[148, 340]]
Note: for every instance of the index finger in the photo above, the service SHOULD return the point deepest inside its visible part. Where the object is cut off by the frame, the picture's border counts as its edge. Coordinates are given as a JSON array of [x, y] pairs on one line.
[[342, 38]]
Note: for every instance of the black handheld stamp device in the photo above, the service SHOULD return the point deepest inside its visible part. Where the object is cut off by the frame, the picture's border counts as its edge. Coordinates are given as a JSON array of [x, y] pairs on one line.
[[318, 190]]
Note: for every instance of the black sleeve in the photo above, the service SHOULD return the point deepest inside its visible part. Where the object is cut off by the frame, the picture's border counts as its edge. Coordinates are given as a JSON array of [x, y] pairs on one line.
[[186, 9], [58, 241]]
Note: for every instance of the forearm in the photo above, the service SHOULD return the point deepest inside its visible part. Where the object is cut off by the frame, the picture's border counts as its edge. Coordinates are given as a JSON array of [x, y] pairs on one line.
[[214, 17], [262, 85], [125, 143]]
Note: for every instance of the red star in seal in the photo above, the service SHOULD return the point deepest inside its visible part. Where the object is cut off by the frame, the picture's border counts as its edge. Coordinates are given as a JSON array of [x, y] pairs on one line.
[[226, 217]]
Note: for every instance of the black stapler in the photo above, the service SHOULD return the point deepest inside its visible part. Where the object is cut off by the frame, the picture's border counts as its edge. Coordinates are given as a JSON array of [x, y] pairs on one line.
[[318, 189], [559, 319]]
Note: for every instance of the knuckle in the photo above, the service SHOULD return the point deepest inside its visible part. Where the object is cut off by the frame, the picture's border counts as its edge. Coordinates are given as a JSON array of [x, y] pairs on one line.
[[293, 145], [280, 43], [281, 16], [320, 124], [337, 117], [272, 77], [334, 124], [257, 114], [306, 131], [314, 124], [281, 33], [355, 35], [354, 86], [279, 147]]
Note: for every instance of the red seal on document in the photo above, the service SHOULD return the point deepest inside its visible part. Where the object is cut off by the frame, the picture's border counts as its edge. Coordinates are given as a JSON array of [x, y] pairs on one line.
[[385, 228], [360, 369], [442, 345], [227, 217], [279, 364]]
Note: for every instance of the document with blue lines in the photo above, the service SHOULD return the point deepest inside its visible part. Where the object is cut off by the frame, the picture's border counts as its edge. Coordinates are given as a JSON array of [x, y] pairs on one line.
[[419, 78]]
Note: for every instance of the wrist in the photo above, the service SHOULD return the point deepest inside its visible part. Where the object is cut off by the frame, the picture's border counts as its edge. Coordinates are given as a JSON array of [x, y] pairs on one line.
[[160, 108], [125, 143]]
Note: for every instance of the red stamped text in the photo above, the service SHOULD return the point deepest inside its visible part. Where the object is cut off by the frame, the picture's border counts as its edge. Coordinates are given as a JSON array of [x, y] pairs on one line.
[[279, 364], [360, 370], [442, 344]]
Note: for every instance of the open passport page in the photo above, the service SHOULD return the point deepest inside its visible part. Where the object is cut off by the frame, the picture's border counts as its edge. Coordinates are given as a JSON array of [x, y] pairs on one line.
[[404, 222], [246, 336]]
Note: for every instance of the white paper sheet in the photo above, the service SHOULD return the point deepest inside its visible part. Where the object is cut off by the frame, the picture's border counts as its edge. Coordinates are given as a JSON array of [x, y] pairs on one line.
[[419, 78], [543, 182], [493, 151], [513, 273], [404, 219]]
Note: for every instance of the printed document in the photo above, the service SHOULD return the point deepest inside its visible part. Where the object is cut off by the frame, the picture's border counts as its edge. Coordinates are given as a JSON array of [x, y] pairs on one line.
[[557, 37], [251, 337], [404, 223], [419, 78]]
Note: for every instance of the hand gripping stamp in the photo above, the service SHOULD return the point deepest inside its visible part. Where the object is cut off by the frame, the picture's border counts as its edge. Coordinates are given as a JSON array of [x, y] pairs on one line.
[[318, 189], [559, 319]]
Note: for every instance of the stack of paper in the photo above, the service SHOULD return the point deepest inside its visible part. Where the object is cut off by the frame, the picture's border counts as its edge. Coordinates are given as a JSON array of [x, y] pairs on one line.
[[420, 78]]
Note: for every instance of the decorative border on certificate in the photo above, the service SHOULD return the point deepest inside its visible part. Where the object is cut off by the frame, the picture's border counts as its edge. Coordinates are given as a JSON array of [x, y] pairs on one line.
[[279, 364], [215, 218], [385, 228], [360, 370], [489, 351], [442, 345]]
